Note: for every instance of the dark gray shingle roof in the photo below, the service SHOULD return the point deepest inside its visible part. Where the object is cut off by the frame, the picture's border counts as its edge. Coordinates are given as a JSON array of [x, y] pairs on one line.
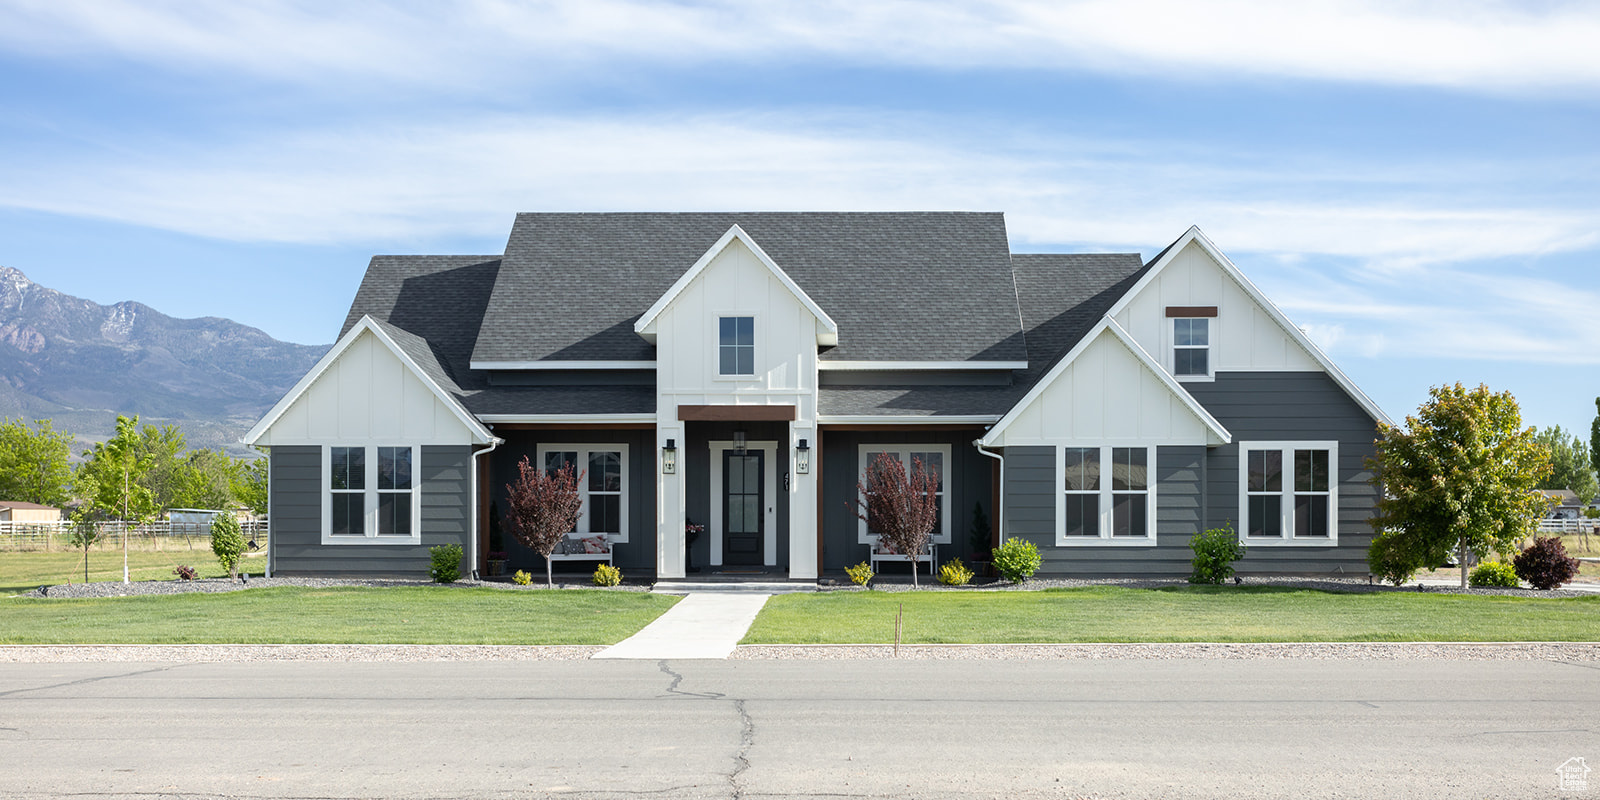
[[901, 286]]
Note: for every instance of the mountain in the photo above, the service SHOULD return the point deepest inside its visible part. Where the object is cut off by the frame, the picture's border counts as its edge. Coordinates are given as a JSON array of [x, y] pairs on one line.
[[81, 364]]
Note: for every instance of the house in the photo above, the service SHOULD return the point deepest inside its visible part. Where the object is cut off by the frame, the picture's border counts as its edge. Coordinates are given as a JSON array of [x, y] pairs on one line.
[[738, 371], [17, 511]]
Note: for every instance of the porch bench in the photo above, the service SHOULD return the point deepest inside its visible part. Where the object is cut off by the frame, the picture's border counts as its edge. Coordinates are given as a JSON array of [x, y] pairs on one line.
[[878, 552], [576, 548]]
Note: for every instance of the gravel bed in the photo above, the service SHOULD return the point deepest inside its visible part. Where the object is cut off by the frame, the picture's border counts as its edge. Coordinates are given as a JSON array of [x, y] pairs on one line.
[[903, 584], [213, 585], [239, 653], [1347, 651]]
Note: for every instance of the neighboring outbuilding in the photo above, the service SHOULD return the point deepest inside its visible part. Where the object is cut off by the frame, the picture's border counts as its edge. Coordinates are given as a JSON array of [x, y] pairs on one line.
[[738, 371], [16, 511]]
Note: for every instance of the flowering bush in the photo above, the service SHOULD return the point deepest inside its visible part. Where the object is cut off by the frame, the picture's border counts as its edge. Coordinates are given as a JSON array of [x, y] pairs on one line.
[[954, 573], [860, 574]]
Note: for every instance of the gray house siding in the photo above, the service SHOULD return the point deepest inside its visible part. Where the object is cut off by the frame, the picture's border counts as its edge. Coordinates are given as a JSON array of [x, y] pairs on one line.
[[970, 481], [1290, 406], [296, 514], [1198, 488], [635, 557], [1030, 508]]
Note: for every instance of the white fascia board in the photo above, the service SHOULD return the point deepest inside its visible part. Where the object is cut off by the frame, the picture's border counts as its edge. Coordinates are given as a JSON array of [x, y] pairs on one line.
[[1195, 235], [908, 366], [1107, 324], [869, 419], [367, 324], [573, 419], [827, 336], [531, 365]]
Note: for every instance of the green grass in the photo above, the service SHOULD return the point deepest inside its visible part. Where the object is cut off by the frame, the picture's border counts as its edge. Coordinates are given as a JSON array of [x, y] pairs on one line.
[[25, 571], [285, 615], [1180, 614]]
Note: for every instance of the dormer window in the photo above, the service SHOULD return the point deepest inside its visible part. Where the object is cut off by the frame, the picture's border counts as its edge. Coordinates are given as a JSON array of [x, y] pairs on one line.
[[736, 346], [1191, 340]]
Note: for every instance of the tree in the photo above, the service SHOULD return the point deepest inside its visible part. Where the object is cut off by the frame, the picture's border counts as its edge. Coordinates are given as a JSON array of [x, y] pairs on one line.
[[110, 478], [1459, 475], [227, 542], [204, 481], [34, 466], [900, 509], [247, 482], [1569, 462], [542, 508], [1594, 438], [85, 532]]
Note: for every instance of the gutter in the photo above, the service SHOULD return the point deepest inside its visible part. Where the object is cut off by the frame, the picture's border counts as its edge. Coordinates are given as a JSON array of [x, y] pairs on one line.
[[472, 483]]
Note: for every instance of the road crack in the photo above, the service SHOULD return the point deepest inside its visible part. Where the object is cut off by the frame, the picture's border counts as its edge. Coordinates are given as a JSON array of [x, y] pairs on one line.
[[95, 679], [741, 759], [677, 679]]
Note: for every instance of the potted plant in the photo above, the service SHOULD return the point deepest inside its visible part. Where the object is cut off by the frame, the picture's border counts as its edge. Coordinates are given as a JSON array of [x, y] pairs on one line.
[[497, 563]]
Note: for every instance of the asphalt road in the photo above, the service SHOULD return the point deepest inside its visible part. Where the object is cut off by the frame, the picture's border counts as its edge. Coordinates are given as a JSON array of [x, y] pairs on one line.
[[1097, 728]]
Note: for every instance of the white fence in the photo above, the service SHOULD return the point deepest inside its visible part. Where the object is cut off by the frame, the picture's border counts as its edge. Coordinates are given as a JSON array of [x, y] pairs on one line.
[[153, 535], [1568, 525]]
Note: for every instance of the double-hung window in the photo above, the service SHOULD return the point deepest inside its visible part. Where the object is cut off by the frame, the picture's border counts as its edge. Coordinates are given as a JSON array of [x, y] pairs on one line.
[[603, 485], [1107, 496], [736, 346], [370, 495], [1191, 347], [933, 458], [1289, 492]]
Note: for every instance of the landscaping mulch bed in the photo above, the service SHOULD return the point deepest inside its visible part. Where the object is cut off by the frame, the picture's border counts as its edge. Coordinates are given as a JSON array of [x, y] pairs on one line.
[[212, 585]]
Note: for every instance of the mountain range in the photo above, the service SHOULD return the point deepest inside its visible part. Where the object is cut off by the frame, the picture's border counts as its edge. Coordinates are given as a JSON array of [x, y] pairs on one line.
[[81, 364]]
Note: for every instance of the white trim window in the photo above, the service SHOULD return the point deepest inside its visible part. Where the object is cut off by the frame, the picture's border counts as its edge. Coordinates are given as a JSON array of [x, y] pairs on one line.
[[934, 457], [1191, 347], [371, 495], [603, 488], [1289, 493], [736, 346], [1100, 506]]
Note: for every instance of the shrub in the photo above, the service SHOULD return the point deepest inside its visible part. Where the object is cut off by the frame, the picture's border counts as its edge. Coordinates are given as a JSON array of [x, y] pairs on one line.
[[954, 573], [1545, 563], [860, 574], [607, 575], [1016, 560], [1389, 558], [1493, 574], [522, 578], [227, 541], [1591, 513], [1215, 551], [185, 572], [446, 563]]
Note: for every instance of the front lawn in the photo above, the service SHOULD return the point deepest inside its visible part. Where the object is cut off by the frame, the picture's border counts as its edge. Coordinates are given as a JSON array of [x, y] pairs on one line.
[[1176, 614], [349, 615], [25, 571]]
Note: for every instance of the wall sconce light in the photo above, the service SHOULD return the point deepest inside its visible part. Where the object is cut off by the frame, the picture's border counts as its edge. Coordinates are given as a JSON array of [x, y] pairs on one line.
[[802, 458], [739, 442], [669, 457]]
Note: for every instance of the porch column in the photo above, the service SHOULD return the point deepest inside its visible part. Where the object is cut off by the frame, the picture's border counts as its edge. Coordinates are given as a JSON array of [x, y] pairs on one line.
[[803, 532], [671, 494]]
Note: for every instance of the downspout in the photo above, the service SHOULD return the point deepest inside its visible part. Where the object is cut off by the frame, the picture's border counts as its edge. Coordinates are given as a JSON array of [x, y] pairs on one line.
[[472, 483], [1000, 513]]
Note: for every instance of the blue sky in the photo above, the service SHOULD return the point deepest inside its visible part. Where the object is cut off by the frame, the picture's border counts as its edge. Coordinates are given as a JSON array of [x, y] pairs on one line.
[[1412, 182]]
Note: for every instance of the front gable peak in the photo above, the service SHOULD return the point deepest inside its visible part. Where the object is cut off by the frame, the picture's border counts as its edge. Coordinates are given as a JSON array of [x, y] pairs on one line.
[[827, 329]]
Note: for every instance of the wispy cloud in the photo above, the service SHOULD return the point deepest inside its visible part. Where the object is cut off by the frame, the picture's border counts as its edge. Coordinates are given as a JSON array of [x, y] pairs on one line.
[[1468, 45]]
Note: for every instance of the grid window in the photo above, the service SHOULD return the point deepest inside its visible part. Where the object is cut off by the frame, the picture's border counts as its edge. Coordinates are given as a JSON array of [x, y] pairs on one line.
[[1191, 347], [601, 472], [736, 346], [934, 459], [1106, 495], [1082, 485], [1290, 492], [347, 484], [371, 494], [394, 491]]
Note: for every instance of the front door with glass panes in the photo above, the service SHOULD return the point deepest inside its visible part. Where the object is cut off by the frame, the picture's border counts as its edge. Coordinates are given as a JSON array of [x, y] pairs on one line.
[[742, 516]]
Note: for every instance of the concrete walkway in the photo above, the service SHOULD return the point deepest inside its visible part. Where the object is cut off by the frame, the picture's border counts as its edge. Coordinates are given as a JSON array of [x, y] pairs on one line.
[[701, 625]]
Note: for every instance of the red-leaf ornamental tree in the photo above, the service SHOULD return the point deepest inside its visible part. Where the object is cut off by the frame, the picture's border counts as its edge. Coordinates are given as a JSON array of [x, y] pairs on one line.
[[544, 506], [900, 508]]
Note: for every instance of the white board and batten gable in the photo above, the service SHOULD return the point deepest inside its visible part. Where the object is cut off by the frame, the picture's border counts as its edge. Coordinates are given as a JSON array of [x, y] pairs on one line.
[[1248, 332], [366, 389], [735, 278], [1107, 390]]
